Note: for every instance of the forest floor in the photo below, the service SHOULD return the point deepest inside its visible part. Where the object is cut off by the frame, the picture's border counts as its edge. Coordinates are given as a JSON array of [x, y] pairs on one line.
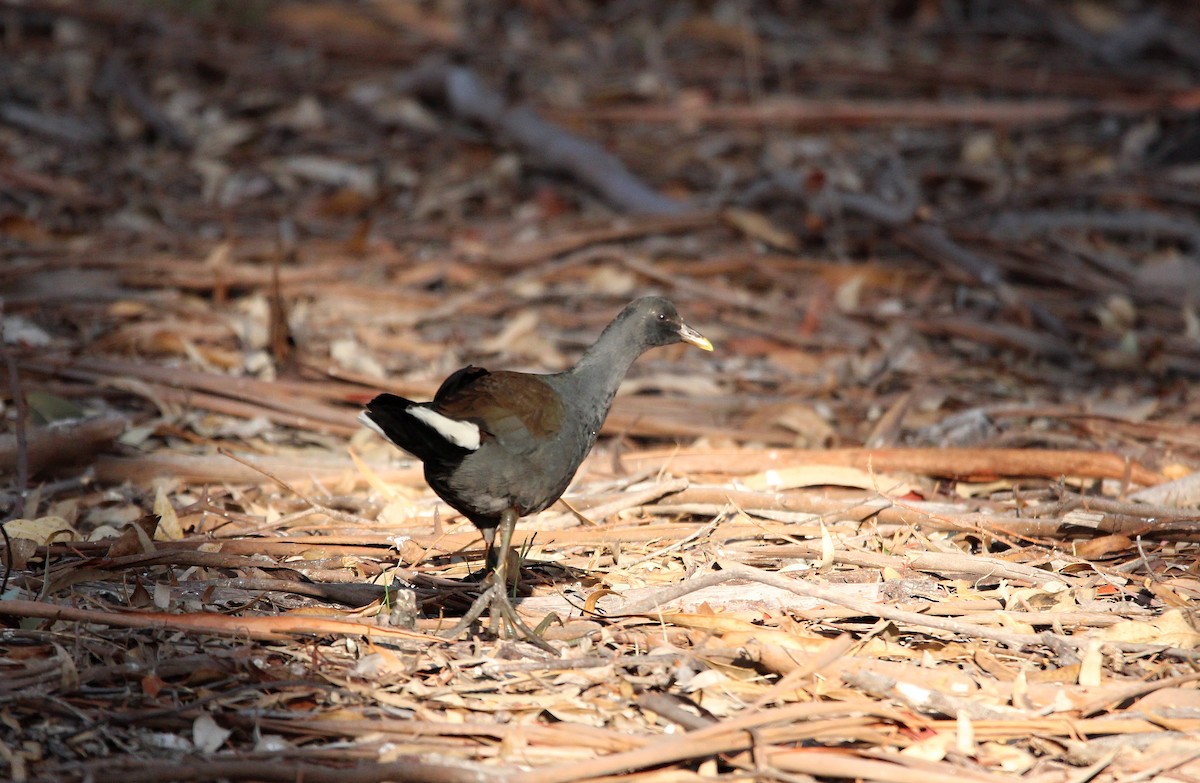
[[929, 512]]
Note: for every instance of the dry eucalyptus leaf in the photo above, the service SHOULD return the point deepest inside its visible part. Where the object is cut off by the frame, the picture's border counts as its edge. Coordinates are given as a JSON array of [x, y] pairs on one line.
[[42, 530], [168, 528], [1172, 628], [207, 735]]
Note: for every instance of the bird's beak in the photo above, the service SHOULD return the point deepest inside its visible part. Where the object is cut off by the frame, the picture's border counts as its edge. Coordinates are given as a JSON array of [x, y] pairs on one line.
[[692, 337]]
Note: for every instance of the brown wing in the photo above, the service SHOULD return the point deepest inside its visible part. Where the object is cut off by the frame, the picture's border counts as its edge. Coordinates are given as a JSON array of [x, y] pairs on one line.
[[516, 409], [458, 380]]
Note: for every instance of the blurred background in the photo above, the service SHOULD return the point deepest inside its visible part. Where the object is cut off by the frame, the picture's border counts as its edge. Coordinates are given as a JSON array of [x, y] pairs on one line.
[[918, 232]]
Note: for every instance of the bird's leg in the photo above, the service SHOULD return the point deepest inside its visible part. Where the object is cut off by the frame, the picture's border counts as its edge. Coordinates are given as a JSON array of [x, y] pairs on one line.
[[495, 596], [507, 526], [501, 606]]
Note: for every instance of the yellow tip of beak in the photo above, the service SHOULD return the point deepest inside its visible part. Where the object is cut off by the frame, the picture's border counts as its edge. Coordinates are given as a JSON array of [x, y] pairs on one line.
[[692, 337]]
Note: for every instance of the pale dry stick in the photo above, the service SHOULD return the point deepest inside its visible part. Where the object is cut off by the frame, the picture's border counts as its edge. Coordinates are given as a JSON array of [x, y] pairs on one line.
[[712, 509], [1146, 561], [779, 506], [1100, 703], [1087, 774], [695, 534], [1145, 648], [283, 522], [962, 563], [1148, 513], [623, 482], [987, 616], [790, 681], [892, 513], [781, 533], [957, 463], [584, 662], [925, 700], [1153, 772], [626, 500], [835, 764]]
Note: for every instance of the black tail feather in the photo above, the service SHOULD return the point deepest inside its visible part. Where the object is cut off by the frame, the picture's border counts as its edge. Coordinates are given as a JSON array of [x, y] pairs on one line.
[[390, 414]]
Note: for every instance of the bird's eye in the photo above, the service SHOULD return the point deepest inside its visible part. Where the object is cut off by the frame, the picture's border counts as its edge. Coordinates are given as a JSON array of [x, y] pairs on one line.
[[662, 316]]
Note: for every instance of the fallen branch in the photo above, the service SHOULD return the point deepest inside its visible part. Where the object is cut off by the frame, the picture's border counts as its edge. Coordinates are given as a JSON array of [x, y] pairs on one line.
[[469, 98], [266, 628], [961, 464]]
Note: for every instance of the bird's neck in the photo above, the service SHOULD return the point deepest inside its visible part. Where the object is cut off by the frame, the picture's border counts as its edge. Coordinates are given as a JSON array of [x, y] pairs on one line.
[[602, 368]]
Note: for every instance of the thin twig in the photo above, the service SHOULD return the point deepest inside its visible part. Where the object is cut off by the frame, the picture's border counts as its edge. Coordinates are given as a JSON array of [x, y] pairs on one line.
[[332, 513], [14, 382]]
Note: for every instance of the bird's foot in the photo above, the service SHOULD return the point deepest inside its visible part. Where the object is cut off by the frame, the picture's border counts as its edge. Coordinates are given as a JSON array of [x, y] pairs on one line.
[[494, 598], [502, 617]]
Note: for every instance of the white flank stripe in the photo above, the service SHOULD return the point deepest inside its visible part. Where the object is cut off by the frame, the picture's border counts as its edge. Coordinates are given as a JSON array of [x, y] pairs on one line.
[[463, 434]]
